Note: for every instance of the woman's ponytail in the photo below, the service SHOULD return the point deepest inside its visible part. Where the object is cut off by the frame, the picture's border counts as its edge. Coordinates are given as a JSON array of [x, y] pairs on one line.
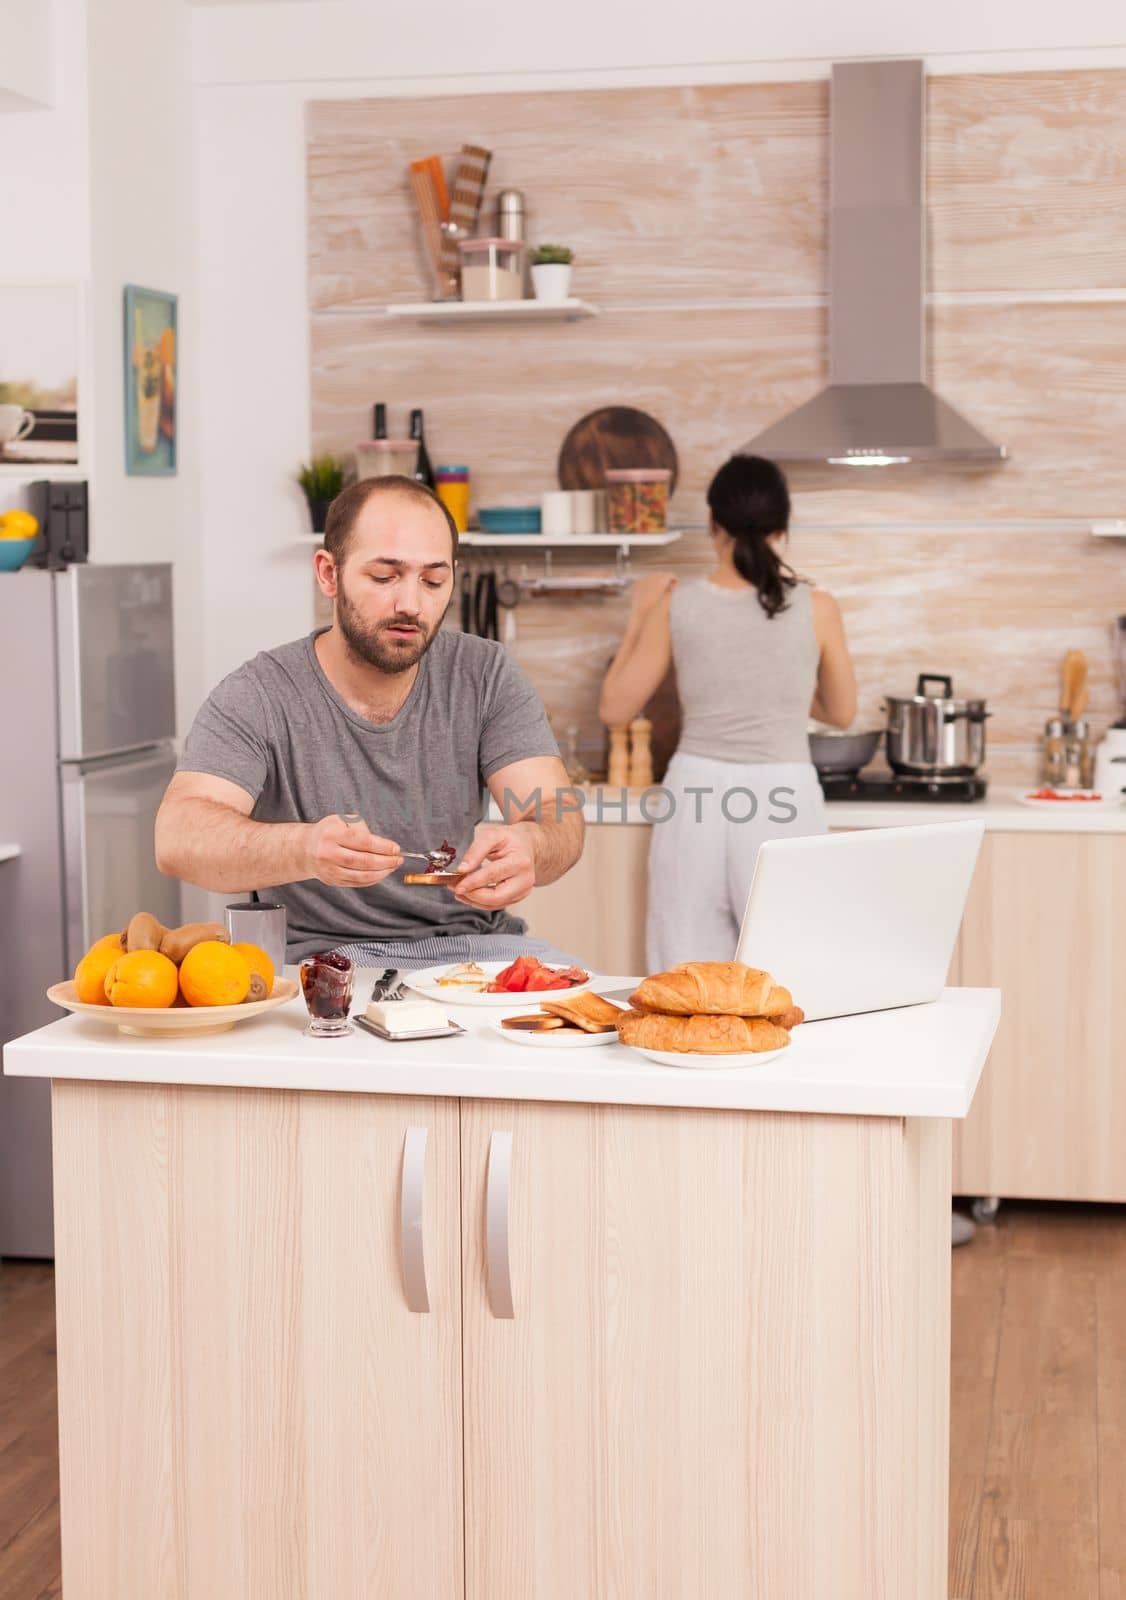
[[749, 500]]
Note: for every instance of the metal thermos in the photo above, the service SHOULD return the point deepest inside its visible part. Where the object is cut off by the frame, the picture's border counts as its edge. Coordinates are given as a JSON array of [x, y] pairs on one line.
[[510, 214]]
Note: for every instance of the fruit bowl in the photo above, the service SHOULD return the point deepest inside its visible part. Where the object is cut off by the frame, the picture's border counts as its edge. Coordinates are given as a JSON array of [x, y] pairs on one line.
[[171, 1022], [13, 553]]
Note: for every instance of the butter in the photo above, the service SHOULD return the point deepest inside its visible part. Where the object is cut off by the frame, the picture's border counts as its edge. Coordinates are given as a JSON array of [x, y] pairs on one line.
[[406, 1016]]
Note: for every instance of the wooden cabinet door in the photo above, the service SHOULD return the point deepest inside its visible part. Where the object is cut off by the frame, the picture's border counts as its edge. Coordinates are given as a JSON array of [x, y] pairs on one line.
[[726, 1369], [1046, 924], [596, 912], [248, 1405]]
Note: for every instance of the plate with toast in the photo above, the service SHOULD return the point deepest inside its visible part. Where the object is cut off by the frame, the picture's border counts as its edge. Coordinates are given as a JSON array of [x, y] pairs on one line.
[[568, 1022]]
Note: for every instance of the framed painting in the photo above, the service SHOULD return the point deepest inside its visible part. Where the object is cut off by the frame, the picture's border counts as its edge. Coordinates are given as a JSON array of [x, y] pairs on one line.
[[40, 357], [151, 357]]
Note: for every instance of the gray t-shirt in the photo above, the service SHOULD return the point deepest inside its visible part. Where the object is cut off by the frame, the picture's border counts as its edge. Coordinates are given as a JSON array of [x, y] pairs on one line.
[[278, 729]]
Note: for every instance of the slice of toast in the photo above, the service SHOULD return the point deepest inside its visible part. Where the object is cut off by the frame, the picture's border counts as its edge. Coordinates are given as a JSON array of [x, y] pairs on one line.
[[587, 1011]]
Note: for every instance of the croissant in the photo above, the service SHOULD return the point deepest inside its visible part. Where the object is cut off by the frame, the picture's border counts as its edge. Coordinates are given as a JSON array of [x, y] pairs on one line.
[[705, 1035], [718, 988]]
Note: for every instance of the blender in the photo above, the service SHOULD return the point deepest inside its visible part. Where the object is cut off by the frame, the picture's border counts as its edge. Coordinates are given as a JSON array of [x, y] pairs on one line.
[[1110, 758]]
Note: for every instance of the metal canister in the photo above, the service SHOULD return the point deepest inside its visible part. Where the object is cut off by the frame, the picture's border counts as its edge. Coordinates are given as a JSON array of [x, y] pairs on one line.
[[510, 214]]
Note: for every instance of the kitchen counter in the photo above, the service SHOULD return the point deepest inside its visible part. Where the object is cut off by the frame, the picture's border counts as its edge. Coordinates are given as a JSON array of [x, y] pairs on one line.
[[1000, 811], [918, 1061], [9, 852], [463, 1318]]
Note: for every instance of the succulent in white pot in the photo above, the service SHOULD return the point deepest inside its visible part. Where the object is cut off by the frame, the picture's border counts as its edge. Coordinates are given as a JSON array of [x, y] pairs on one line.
[[551, 272]]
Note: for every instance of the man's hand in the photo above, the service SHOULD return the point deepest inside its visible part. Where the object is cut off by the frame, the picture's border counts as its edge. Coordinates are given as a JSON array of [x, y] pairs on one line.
[[349, 854], [501, 868]]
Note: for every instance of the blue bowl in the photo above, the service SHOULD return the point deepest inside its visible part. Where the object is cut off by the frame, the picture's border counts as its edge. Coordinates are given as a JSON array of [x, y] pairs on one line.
[[509, 519], [13, 553]]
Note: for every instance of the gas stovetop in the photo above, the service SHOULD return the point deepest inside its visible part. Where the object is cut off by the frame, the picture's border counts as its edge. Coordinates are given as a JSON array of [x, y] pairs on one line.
[[886, 786]]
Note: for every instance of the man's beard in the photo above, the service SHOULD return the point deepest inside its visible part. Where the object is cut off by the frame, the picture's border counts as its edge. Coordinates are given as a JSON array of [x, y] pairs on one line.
[[374, 644]]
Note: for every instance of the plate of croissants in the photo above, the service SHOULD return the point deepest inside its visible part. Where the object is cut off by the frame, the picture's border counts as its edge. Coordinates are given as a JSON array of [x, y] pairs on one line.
[[709, 1014]]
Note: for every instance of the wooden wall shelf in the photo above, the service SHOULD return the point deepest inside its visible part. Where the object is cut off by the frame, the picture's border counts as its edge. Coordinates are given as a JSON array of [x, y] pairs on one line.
[[453, 311]]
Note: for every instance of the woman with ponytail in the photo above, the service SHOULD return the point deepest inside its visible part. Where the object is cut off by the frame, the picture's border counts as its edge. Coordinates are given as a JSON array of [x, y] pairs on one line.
[[757, 652]]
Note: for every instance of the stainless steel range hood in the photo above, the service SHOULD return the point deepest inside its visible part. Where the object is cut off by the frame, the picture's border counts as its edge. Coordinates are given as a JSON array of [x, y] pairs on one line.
[[878, 409]]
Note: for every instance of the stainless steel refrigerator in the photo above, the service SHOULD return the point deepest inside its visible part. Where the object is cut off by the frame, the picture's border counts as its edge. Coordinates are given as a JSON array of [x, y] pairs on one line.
[[86, 678]]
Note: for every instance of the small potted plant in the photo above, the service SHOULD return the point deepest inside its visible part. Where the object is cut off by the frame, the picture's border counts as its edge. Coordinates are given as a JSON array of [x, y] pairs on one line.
[[551, 272], [322, 480]]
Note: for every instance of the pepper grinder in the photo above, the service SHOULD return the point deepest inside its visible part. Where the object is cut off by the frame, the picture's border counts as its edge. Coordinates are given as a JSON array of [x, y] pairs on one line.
[[641, 756], [617, 771]]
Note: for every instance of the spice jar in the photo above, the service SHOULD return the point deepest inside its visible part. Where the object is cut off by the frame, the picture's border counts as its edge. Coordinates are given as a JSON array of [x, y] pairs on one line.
[[492, 269], [1052, 754], [451, 484], [1078, 762], [382, 458], [638, 499]]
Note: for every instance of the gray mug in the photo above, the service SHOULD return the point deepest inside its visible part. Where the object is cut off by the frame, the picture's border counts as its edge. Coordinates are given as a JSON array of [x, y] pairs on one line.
[[260, 922]]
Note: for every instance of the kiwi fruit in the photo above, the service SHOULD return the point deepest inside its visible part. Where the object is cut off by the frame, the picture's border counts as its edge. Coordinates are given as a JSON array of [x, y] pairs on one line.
[[144, 932], [258, 990], [178, 941]]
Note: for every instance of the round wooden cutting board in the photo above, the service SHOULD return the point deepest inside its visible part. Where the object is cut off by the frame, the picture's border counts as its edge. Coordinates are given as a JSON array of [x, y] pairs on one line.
[[615, 436]]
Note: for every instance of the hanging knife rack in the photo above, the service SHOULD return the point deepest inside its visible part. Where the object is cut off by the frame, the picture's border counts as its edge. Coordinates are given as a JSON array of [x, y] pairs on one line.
[[622, 575]]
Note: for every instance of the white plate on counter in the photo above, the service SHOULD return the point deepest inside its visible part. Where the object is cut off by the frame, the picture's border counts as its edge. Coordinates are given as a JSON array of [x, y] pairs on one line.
[[554, 1038], [425, 982], [1076, 800], [689, 1058]]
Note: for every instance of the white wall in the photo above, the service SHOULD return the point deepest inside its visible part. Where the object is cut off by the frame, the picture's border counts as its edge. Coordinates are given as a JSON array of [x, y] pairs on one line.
[[257, 65], [27, 54], [45, 184], [142, 231]]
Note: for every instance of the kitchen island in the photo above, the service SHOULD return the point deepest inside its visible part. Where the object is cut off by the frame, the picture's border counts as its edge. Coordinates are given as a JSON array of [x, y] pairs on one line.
[[1045, 923], [471, 1318]]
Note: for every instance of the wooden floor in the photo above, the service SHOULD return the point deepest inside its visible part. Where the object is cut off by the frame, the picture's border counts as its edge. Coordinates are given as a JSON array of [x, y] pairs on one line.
[[29, 1452], [1038, 1407], [1038, 1449]]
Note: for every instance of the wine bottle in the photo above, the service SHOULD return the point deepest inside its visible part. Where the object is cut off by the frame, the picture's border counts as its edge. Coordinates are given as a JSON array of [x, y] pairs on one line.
[[379, 421], [423, 471]]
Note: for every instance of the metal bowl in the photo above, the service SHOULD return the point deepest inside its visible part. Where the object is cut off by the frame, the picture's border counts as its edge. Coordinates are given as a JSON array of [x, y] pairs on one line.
[[840, 754]]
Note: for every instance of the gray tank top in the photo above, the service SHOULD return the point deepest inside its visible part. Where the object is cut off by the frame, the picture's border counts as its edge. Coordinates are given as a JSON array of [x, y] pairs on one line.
[[745, 680]]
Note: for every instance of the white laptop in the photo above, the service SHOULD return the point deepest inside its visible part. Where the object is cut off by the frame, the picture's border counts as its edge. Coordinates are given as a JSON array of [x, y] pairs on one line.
[[860, 921]]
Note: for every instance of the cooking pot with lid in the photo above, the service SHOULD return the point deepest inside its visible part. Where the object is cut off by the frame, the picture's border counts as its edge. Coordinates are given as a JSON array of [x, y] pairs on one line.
[[935, 735]]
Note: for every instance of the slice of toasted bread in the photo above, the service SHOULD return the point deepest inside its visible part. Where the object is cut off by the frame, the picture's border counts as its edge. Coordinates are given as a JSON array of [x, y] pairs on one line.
[[587, 1011], [444, 880]]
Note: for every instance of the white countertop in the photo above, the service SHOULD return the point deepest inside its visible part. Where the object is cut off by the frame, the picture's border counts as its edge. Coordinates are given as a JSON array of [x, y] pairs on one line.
[[917, 1061], [8, 852], [1001, 811]]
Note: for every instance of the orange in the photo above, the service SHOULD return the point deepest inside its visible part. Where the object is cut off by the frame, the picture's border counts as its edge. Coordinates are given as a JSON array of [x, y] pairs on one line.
[[258, 961], [108, 941], [90, 973], [214, 974], [142, 978]]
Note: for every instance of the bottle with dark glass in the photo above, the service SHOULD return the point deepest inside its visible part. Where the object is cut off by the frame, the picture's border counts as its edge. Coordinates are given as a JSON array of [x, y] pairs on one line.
[[379, 421], [423, 471]]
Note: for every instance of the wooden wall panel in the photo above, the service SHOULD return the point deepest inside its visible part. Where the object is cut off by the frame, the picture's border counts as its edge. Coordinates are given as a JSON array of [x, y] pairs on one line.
[[1049, 381], [689, 207], [663, 193], [1025, 180]]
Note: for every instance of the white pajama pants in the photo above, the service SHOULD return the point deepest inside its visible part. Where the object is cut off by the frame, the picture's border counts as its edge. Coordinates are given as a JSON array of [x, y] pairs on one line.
[[702, 855]]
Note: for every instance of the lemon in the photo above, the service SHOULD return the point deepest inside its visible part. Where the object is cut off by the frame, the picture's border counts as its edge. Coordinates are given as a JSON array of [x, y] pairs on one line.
[[18, 525]]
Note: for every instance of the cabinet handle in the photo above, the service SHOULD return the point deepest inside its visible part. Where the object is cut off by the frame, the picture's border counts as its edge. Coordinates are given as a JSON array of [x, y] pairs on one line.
[[496, 1226], [412, 1244]]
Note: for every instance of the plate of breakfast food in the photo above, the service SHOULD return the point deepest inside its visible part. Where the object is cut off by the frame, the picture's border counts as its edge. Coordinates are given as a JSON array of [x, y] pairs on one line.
[[1048, 799], [572, 1022], [708, 1014], [496, 983]]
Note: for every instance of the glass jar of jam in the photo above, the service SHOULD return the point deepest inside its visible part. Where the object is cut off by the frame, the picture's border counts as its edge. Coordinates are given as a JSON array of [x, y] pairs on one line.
[[638, 499], [326, 983]]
